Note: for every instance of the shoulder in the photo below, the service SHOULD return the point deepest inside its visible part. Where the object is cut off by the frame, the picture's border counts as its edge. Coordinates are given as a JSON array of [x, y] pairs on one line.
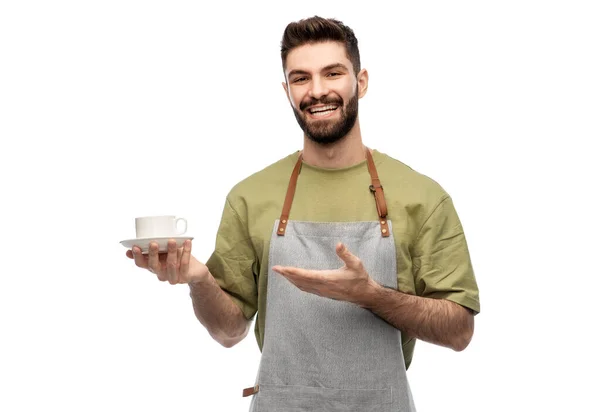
[[258, 186], [401, 181]]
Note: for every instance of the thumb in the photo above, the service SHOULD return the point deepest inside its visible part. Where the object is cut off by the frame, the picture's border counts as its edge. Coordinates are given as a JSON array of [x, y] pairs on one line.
[[349, 259]]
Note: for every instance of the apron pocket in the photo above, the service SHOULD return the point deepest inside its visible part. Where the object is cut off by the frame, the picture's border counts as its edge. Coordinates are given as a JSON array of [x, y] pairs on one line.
[[276, 398]]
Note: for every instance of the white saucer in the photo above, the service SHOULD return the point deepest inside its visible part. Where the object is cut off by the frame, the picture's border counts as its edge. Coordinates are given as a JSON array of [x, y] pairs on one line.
[[144, 243]]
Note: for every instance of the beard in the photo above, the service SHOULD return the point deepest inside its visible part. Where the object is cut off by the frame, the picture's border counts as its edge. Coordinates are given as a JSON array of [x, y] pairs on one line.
[[327, 131]]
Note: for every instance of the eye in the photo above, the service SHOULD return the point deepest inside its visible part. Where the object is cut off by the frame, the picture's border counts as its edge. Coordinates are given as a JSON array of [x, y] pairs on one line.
[[333, 74], [299, 79]]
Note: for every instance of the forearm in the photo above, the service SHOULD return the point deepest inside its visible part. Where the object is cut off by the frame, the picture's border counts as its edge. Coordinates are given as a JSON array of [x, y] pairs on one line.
[[215, 310], [436, 321]]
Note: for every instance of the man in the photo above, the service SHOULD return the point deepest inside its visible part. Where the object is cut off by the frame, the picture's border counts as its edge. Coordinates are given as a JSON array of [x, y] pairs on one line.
[[344, 275]]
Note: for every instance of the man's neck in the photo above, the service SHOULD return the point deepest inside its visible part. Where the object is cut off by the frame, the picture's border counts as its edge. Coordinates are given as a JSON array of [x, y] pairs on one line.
[[346, 152]]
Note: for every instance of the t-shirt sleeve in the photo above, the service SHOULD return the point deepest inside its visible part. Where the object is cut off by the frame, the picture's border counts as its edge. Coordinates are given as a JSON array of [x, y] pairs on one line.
[[441, 262], [232, 262]]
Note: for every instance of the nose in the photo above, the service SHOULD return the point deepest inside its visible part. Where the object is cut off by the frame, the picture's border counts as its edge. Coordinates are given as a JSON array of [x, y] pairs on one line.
[[318, 89]]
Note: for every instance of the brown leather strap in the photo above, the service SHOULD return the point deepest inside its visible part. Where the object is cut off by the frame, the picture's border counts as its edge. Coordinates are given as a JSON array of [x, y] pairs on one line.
[[250, 391], [377, 191], [289, 197], [375, 187]]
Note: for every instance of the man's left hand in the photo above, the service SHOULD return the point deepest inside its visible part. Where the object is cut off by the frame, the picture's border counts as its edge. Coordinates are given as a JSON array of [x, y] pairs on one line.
[[349, 283]]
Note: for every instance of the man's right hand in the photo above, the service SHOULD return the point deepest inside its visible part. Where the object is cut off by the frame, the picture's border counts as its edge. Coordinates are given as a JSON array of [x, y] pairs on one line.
[[177, 265]]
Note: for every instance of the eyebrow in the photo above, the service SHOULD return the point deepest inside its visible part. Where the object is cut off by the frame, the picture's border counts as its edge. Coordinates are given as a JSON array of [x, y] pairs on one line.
[[324, 69]]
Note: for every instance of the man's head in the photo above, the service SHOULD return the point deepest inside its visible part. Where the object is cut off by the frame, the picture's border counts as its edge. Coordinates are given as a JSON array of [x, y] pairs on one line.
[[323, 78]]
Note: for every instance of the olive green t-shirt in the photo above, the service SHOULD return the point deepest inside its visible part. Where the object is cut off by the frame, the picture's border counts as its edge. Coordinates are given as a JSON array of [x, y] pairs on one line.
[[432, 255]]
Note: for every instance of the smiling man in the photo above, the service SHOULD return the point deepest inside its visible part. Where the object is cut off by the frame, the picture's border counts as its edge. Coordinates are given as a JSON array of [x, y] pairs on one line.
[[318, 98], [344, 276]]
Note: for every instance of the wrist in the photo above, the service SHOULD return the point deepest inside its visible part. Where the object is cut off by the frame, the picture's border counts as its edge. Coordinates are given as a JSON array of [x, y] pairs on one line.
[[369, 295], [199, 279]]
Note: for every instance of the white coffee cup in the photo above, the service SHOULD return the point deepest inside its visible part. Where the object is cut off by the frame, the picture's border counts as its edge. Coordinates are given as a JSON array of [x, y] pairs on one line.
[[158, 226]]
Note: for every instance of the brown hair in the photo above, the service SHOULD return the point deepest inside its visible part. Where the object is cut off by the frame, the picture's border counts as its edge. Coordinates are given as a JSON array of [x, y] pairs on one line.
[[316, 30]]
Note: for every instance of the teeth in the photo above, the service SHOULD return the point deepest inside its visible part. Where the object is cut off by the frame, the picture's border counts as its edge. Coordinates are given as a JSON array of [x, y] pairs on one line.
[[323, 108], [321, 114]]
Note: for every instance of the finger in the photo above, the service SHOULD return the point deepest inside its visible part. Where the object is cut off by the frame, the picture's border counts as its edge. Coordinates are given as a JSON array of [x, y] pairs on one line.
[[140, 260], [305, 286], [281, 270], [286, 271], [154, 265], [349, 259], [184, 265], [298, 273], [172, 261], [129, 254]]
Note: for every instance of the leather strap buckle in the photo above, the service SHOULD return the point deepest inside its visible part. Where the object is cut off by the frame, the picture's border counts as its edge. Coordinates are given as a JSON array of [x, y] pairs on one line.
[[373, 189]]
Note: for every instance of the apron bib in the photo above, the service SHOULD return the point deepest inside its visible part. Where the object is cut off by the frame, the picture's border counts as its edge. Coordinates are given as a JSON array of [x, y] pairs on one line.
[[321, 354]]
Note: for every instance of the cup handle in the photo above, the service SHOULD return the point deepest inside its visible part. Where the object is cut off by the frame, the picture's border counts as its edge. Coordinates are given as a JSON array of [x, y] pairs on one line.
[[184, 225]]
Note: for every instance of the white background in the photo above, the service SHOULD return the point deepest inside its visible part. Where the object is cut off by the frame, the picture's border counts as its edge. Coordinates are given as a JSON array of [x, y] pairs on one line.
[[116, 109]]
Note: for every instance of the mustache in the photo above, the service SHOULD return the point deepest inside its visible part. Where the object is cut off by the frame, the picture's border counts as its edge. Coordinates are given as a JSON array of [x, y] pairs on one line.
[[322, 100]]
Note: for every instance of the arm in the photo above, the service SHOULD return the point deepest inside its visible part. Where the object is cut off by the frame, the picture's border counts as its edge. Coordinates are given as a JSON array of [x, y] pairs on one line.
[[446, 299], [214, 308], [436, 321], [227, 296], [221, 317]]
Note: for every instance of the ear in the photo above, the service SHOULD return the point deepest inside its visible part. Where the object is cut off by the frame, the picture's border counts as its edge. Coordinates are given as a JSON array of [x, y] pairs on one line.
[[287, 94], [363, 82]]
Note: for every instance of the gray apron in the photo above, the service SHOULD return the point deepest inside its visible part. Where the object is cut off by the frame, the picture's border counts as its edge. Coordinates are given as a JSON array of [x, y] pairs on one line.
[[321, 354]]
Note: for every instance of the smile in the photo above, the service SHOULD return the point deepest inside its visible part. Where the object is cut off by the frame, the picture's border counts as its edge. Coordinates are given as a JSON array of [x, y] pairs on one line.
[[321, 112]]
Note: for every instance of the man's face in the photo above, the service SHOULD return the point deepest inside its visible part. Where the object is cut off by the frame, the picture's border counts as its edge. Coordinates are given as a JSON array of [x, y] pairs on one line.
[[323, 90]]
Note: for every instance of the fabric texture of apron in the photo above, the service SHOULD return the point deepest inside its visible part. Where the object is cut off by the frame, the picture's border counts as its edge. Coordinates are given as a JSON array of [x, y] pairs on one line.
[[321, 354]]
